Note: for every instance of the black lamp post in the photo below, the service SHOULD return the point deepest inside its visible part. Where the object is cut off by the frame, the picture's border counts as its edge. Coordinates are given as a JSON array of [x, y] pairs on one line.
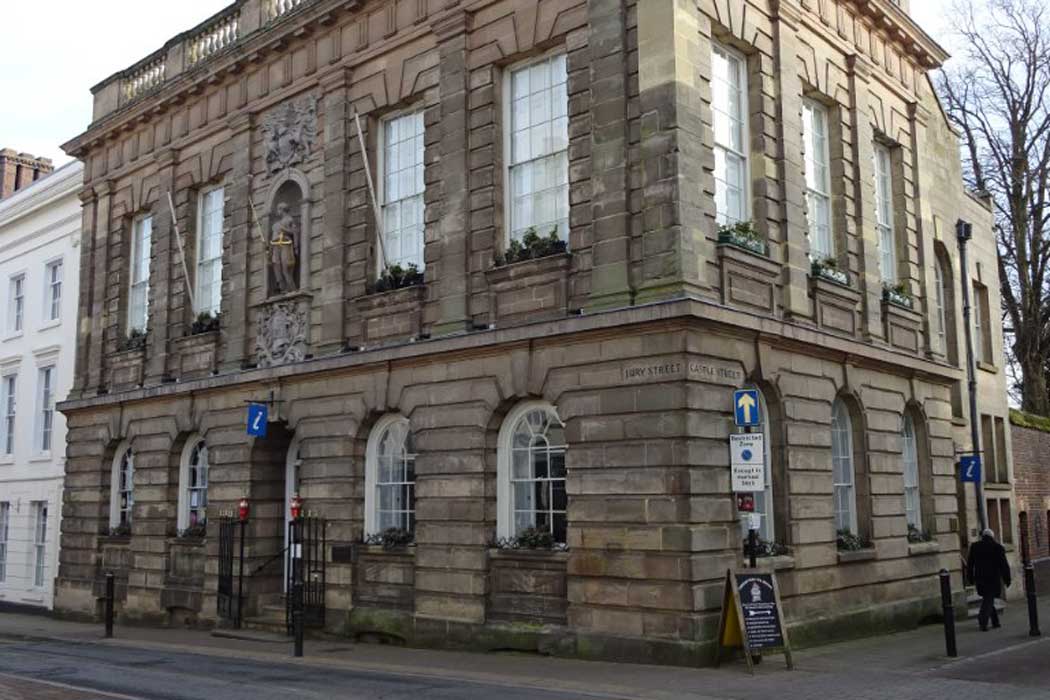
[[964, 232]]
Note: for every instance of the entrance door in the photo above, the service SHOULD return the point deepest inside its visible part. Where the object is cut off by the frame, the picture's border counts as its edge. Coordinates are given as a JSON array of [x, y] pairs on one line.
[[291, 487]]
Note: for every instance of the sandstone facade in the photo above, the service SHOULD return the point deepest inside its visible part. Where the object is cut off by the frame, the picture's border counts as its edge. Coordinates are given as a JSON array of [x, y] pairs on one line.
[[633, 339]]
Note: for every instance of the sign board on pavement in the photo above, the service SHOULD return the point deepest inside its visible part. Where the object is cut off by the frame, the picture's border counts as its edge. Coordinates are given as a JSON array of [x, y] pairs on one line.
[[746, 408], [748, 460], [970, 468], [752, 617]]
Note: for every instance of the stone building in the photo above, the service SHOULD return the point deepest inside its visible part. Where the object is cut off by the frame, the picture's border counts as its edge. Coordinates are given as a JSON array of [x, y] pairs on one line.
[[20, 170], [39, 261], [597, 221]]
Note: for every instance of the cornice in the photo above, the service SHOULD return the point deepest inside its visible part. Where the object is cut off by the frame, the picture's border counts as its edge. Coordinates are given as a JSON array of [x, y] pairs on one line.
[[67, 179]]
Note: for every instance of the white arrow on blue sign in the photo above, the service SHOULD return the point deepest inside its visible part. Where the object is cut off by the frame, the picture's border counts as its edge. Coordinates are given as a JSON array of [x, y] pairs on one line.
[[746, 408], [970, 468], [258, 415]]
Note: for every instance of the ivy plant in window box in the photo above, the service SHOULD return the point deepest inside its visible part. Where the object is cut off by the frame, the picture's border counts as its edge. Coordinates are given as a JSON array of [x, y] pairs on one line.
[[742, 234], [194, 532], [898, 295], [391, 538], [848, 542], [917, 536], [770, 549], [206, 322], [828, 269], [397, 277], [135, 340], [532, 247], [531, 538], [122, 530]]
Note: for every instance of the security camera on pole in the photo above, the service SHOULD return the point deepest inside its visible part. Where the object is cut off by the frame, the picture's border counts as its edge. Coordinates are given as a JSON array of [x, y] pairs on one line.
[[748, 460]]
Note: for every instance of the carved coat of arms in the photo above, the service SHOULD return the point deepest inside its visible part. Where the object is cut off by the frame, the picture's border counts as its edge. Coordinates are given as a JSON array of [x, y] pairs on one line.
[[290, 132], [282, 334]]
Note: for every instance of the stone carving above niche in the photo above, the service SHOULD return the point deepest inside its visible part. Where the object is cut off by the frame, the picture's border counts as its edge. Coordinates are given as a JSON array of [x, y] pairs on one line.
[[290, 131], [281, 337]]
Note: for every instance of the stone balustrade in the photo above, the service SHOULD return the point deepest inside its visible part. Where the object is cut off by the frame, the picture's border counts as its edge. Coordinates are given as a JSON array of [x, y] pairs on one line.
[[214, 37], [190, 49]]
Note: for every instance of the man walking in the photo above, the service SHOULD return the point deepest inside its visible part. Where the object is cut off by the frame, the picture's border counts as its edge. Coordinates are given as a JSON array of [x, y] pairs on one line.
[[988, 569]]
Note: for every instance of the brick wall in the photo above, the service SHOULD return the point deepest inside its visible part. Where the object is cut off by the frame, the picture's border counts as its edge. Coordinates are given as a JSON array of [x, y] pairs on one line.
[[1031, 451]]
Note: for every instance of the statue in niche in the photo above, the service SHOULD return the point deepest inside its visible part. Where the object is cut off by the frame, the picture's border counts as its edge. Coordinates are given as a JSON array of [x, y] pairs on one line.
[[284, 250], [290, 131]]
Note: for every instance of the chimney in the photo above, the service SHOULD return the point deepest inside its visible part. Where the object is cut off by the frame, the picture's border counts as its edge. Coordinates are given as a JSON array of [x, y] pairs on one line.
[[20, 170]]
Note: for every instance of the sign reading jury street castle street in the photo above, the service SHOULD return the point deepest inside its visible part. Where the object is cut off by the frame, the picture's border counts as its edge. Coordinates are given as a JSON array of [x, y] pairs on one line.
[[659, 370]]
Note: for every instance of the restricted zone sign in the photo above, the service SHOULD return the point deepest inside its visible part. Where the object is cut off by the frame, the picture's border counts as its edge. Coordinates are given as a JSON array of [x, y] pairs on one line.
[[748, 459], [752, 617]]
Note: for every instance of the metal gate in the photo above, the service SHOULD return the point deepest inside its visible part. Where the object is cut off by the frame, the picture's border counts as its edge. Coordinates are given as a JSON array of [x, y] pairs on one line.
[[306, 566], [228, 600]]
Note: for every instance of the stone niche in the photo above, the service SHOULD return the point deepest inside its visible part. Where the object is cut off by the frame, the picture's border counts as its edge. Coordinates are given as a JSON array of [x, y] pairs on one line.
[[528, 586]]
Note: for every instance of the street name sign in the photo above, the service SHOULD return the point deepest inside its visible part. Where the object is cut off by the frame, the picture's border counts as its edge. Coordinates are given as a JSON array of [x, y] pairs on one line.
[[746, 408], [748, 461]]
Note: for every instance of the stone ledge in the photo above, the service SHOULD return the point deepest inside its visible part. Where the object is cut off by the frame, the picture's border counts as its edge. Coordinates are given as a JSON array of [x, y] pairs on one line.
[[749, 280], [987, 367], [902, 327], [781, 562], [835, 306], [529, 290], [858, 556], [396, 315], [552, 555], [197, 354], [916, 549]]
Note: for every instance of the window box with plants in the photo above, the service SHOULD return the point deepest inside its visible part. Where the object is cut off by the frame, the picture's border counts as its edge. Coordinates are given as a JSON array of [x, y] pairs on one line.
[[921, 542], [393, 309], [902, 326], [828, 269], [391, 539], [126, 367], [206, 322], [198, 350], [742, 234], [530, 279], [853, 547], [898, 295]]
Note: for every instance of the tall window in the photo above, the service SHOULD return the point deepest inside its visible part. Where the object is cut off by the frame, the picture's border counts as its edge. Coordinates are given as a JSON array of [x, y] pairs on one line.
[[8, 399], [982, 336], [940, 313], [138, 297], [53, 291], [884, 213], [912, 491], [122, 493], [209, 251], [46, 416], [402, 183], [538, 145], [5, 516], [818, 178], [39, 542], [729, 113], [17, 305], [843, 468], [531, 472], [390, 477], [193, 492]]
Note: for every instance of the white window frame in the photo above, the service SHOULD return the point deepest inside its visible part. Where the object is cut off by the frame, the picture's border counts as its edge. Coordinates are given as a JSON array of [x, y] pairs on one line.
[[40, 517], [9, 410], [201, 263], [195, 444], [818, 189], [384, 254], [115, 491], [505, 511], [912, 479], [508, 150], [137, 240], [744, 154], [5, 531], [53, 290], [45, 416], [16, 310], [842, 455], [884, 213], [398, 426], [940, 303]]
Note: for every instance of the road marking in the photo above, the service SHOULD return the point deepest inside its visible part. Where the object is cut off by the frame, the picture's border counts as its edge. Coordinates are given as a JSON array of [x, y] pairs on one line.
[[989, 654], [66, 686]]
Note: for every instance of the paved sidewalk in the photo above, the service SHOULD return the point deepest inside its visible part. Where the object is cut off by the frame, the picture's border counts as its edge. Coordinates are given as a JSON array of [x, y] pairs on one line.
[[900, 666]]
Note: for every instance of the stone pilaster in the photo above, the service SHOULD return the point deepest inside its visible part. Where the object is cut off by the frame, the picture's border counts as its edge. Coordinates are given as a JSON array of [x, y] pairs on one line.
[[88, 210], [865, 244], [610, 135], [94, 289], [451, 275], [241, 230], [920, 266], [165, 268], [335, 104]]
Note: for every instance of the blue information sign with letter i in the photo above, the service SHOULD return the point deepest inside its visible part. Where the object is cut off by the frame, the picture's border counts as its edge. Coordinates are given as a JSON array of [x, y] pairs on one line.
[[970, 468], [746, 408], [258, 416]]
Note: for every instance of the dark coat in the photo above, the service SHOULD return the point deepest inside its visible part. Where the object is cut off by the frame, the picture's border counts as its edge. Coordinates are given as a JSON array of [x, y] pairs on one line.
[[987, 567]]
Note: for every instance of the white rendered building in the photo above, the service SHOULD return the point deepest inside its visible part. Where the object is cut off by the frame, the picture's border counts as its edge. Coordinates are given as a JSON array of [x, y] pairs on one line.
[[39, 275]]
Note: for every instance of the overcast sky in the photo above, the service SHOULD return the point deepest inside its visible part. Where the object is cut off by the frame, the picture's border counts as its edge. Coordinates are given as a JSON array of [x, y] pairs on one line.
[[54, 51]]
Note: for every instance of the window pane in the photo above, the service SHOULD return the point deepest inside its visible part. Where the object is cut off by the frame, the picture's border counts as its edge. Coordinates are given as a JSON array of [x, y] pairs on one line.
[[538, 473], [403, 185]]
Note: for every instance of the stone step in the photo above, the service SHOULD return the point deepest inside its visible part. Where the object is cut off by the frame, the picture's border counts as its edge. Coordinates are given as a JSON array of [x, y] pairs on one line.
[[252, 635], [973, 605], [267, 625]]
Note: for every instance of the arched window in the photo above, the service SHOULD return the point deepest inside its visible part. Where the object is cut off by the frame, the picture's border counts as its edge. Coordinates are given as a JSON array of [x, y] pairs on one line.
[[912, 493], [764, 500], [944, 305], [193, 486], [122, 488], [918, 475], [531, 472], [843, 468], [390, 477]]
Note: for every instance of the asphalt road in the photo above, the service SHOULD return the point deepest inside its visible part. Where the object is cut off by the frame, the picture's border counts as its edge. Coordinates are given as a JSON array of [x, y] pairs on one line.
[[73, 671]]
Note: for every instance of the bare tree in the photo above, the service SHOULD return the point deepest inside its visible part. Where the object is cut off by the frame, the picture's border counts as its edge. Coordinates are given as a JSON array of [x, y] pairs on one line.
[[998, 97]]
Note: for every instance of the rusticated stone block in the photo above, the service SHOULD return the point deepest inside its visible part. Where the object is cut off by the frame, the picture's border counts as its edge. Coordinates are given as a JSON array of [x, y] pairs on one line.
[[530, 290]]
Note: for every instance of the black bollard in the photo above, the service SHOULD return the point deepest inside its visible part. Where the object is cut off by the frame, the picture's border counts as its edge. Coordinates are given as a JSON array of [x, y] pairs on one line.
[[297, 617], [110, 592], [752, 547], [949, 613], [1033, 604]]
